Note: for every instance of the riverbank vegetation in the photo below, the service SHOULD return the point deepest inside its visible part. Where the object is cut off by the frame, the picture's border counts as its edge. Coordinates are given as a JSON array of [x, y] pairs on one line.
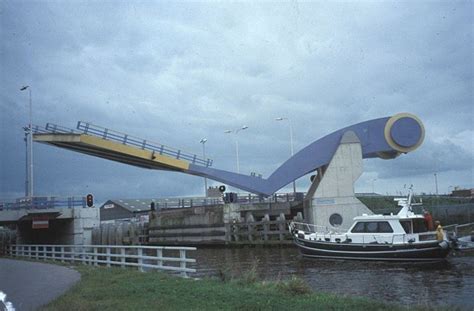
[[125, 289]]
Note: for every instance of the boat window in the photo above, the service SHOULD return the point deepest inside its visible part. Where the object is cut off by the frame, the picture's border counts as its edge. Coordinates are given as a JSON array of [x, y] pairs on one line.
[[406, 224], [419, 226], [385, 227], [359, 227], [372, 227]]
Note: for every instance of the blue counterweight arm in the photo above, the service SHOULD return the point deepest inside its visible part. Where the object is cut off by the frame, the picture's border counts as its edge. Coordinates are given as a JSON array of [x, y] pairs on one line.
[[384, 138]]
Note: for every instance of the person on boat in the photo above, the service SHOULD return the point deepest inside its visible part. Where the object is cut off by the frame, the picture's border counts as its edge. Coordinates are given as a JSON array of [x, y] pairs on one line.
[[428, 220], [439, 231]]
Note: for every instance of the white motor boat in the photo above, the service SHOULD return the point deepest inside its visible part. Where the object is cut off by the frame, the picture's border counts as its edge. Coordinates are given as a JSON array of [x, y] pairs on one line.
[[400, 237]]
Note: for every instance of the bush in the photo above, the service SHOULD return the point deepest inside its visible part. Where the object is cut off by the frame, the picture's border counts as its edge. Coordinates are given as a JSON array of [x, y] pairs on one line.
[[224, 275], [250, 276], [295, 286]]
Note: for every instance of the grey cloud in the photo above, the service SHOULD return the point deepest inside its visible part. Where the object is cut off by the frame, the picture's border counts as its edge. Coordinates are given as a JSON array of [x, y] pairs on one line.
[[175, 73]]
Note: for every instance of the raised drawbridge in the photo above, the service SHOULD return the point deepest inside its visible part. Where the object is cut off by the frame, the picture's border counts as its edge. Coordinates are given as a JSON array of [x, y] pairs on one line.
[[384, 138]]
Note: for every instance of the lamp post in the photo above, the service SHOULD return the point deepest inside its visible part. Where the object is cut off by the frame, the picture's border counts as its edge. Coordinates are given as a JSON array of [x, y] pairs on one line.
[[25, 139], [203, 142], [30, 130], [244, 127], [291, 142], [436, 183]]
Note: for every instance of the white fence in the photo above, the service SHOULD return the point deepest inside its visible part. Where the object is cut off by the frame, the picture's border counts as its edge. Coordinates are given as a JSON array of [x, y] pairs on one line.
[[151, 257]]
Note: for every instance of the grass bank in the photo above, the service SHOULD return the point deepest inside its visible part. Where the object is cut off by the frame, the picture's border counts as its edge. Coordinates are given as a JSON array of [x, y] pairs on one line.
[[125, 289]]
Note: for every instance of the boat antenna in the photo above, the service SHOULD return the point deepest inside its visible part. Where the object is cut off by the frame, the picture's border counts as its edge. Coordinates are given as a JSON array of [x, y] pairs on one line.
[[410, 197]]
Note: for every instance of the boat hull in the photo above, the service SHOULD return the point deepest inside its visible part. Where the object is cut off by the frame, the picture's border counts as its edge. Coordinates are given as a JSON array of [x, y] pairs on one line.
[[421, 252]]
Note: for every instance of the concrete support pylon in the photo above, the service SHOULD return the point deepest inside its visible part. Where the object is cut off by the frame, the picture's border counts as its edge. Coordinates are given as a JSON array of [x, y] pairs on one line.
[[331, 197]]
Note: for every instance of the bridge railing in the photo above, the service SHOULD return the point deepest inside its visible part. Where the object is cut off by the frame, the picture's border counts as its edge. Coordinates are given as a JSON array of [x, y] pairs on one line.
[[241, 199], [57, 129], [187, 202], [105, 133], [44, 203], [141, 257]]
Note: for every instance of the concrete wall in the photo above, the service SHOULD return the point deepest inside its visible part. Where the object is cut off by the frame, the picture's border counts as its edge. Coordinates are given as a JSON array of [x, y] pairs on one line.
[[210, 224], [190, 216], [85, 220], [76, 229], [194, 225], [334, 193]]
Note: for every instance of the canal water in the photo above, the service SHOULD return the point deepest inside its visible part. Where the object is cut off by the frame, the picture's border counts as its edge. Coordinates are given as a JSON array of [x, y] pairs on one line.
[[450, 283]]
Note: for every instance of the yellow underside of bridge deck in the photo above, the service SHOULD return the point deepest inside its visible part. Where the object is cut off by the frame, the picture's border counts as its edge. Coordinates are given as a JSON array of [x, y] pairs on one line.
[[111, 150]]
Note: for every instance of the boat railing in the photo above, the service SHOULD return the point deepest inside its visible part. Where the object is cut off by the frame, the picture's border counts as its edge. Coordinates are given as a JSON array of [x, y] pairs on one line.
[[399, 238], [459, 230], [310, 228]]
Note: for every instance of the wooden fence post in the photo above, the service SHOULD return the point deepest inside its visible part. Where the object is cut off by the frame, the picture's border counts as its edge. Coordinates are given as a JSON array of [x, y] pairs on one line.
[[107, 251], [96, 257], [281, 226], [182, 263], [266, 226], [122, 259], [159, 254], [228, 236], [140, 259]]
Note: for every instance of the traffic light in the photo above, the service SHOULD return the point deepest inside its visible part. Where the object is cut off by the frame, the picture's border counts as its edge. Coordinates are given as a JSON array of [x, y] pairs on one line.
[[222, 188], [90, 200]]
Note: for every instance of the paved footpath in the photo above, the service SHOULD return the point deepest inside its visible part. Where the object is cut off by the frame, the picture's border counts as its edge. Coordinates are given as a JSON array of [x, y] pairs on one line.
[[29, 285]]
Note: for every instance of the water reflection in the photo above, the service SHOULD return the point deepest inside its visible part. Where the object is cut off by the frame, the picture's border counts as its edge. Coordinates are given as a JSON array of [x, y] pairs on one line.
[[448, 283]]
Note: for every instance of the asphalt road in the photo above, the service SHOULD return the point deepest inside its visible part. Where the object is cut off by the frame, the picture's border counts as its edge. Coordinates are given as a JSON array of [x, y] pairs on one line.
[[29, 285]]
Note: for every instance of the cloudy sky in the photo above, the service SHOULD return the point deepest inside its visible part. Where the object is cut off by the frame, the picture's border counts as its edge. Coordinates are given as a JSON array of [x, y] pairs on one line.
[[175, 72]]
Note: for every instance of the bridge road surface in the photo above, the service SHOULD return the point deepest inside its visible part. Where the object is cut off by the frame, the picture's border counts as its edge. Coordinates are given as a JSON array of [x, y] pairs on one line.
[[29, 285]]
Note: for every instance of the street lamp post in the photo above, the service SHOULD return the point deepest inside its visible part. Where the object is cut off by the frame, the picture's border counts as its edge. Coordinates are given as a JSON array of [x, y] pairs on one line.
[[373, 185], [244, 127], [291, 143], [436, 183], [25, 139], [30, 129], [203, 142]]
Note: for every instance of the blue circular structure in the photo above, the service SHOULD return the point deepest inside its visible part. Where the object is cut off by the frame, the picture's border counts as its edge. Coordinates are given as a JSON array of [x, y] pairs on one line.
[[406, 132]]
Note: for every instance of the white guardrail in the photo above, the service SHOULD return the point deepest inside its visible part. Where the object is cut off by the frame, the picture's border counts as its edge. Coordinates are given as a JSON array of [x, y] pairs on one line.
[[151, 257]]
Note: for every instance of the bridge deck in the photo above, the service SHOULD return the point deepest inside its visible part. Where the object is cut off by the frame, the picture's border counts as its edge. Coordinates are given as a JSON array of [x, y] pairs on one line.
[[112, 150], [105, 143]]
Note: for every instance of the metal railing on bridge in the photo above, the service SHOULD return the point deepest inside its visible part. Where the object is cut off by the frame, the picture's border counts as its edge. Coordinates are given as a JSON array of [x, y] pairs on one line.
[[237, 198], [142, 257], [44, 203], [105, 133], [129, 140]]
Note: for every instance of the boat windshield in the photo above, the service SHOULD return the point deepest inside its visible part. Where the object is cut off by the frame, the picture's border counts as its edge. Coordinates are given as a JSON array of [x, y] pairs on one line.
[[419, 226], [372, 227], [414, 226]]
